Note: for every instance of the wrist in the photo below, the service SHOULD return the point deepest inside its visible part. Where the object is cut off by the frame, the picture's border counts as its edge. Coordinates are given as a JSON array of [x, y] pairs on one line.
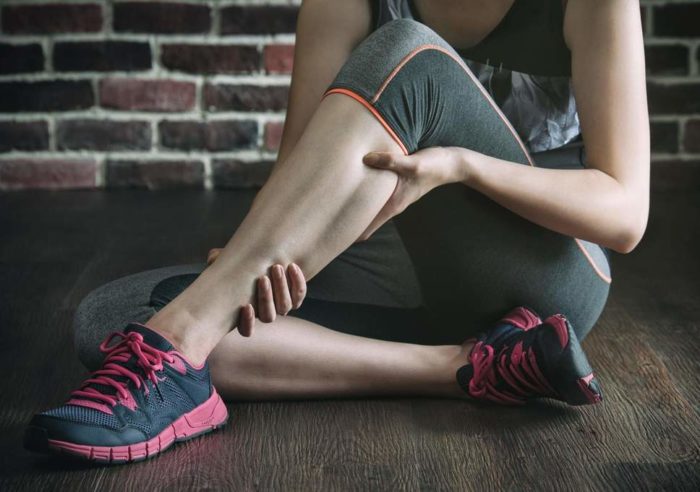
[[463, 165]]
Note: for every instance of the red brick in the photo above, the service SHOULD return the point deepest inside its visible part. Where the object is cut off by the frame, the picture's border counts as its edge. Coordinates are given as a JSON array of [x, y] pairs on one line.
[[234, 173], [680, 98], [46, 95], [667, 60], [214, 136], [675, 174], [17, 174], [161, 18], [244, 97], [664, 136], [691, 142], [156, 174], [23, 135], [147, 95], [203, 58], [266, 19], [21, 58], [273, 135], [101, 56], [279, 58], [89, 134], [677, 20], [51, 18]]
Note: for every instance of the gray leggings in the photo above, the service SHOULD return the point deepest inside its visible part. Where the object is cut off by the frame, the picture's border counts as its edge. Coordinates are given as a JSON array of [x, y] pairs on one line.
[[448, 266]]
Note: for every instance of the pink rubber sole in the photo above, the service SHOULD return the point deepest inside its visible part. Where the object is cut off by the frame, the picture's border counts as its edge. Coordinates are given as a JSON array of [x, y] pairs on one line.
[[207, 417], [583, 383]]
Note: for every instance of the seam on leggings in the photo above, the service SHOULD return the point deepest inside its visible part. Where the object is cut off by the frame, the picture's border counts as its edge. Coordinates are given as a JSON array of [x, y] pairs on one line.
[[370, 106], [373, 110], [471, 75], [590, 259]]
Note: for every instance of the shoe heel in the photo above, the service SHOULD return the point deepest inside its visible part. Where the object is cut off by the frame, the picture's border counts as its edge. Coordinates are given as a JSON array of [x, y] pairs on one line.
[[577, 384], [522, 317], [208, 416]]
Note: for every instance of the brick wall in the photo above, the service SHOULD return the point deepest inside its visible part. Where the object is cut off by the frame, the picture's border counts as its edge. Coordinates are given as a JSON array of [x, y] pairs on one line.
[[672, 38], [193, 93]]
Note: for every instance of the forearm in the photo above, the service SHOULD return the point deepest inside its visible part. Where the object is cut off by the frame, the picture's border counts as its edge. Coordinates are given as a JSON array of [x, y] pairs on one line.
[[587, 203]]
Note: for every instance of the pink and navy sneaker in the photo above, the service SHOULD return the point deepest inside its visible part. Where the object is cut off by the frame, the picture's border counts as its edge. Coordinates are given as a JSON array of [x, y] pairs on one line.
[[145, 397], [521, 317], [520, 359]]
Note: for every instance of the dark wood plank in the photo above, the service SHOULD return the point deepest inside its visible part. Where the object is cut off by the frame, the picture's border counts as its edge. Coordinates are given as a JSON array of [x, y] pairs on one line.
[[56, 247]]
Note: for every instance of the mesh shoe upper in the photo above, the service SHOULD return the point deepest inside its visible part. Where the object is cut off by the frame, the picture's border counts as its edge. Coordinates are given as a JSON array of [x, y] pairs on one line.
[[509, 365], [143, 386]]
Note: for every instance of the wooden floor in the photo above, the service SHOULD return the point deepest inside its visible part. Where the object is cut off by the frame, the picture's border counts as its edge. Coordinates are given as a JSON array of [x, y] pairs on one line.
[[55, 247]]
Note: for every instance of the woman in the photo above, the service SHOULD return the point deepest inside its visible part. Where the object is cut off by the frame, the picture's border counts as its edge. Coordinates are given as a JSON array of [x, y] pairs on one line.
[[395, 103]]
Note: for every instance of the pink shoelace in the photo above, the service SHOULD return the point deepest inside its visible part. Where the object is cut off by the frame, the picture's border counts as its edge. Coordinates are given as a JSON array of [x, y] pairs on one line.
[[149, 359], [519, 371]]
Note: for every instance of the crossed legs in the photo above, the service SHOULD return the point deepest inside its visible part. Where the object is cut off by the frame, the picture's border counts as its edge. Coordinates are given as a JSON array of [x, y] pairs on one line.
[[319, 200], [311, 209]]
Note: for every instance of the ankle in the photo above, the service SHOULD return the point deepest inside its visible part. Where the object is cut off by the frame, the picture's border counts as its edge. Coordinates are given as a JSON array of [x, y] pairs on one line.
[[442, 362], [185, 332], [458, 359]]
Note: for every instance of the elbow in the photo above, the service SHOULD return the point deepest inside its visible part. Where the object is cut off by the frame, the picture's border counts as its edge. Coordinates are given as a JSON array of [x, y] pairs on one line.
[[627, 243], [631, 234]]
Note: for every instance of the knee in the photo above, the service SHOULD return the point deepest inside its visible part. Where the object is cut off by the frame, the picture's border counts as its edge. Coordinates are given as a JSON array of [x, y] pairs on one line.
[[398, 38], [373, 60], [400, 33], [85, 323], [102, 311], [591, 316]]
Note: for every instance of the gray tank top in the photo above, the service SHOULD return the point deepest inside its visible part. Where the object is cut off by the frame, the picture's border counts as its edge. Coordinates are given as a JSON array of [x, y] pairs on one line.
[[525, 66]]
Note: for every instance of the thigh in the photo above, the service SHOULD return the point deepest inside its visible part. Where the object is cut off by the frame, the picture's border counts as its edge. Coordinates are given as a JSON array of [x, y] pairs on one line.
[[139, 296], [474, 258]]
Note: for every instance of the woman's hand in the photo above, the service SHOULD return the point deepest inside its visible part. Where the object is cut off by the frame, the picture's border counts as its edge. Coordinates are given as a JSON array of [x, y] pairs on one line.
[[278, 292], [418, 173]]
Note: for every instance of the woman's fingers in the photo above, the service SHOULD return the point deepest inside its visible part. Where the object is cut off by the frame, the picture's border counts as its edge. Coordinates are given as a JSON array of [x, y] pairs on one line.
[[280, 289], [297, 284], [277, 293], [405, 165], [266, 303], [246, 320]]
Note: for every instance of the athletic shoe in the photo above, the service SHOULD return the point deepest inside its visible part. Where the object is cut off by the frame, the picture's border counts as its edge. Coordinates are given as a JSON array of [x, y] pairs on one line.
[[521, 317], [511, 365], [145, 397]]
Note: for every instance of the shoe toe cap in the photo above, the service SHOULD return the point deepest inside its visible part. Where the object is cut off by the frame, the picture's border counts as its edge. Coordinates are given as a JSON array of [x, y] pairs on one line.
[[88, 433]]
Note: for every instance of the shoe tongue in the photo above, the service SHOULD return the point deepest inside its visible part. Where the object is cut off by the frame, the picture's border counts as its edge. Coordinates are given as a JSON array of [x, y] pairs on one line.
[[151, 337]]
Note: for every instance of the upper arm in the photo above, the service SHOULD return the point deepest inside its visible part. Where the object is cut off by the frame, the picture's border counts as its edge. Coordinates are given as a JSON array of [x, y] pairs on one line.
[[327, 31], [609, 83]]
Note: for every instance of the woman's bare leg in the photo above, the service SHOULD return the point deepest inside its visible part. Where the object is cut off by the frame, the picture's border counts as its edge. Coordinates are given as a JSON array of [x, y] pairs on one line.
[[295, 358], [311, 209]]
